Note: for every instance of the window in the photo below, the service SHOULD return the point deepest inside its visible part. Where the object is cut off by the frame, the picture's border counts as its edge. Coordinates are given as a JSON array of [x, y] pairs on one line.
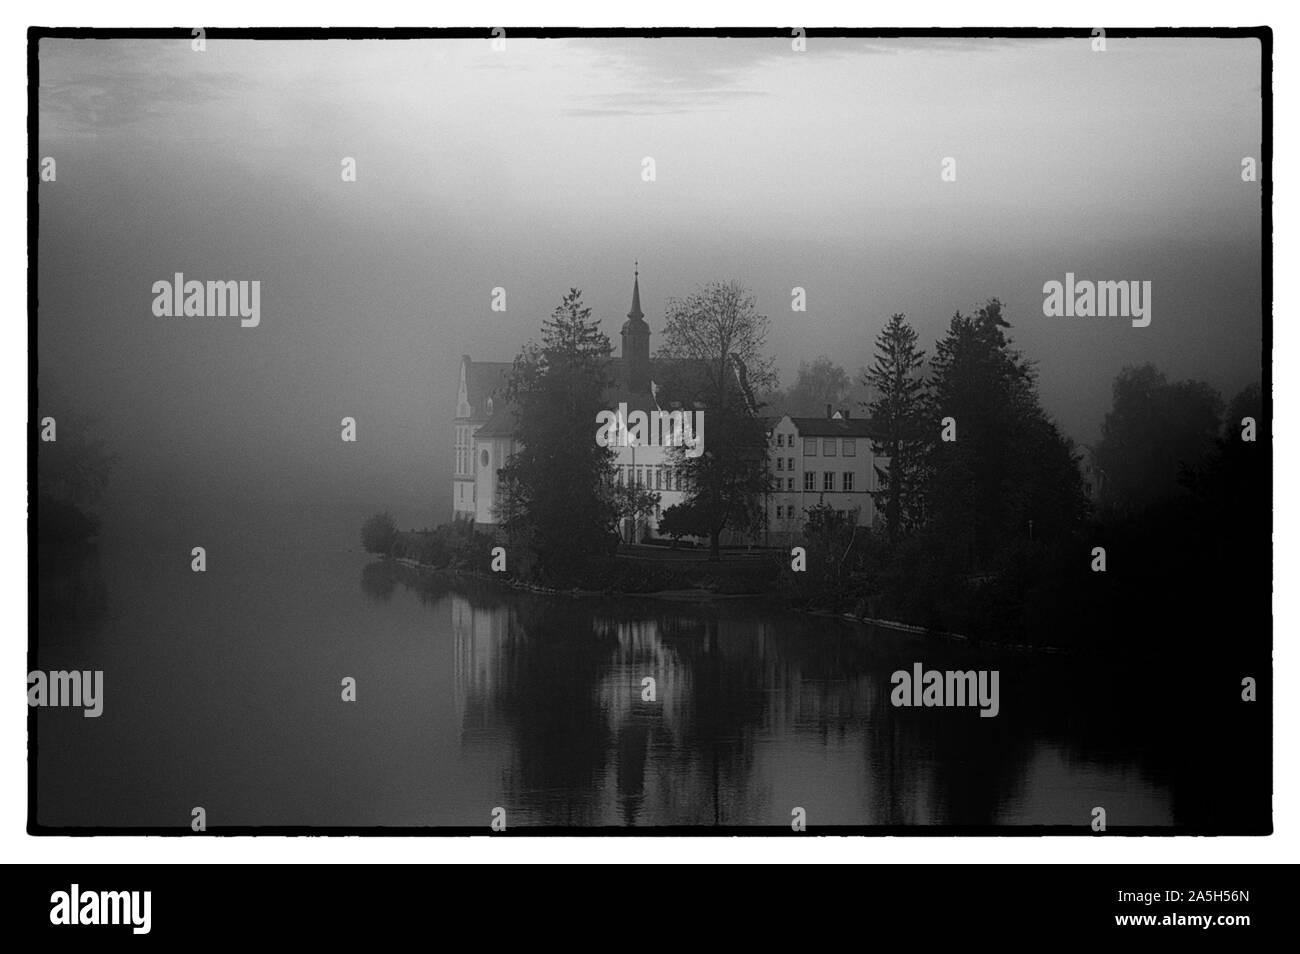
[[828, 480], [828, 447], [780, 463], [659, 477], [484, 457], [808, 477], [780, 440], [850, 447], [789, 461], [679, 480], [848, 480], [789, 483], [810, 447], [780, 511], [618, 477]]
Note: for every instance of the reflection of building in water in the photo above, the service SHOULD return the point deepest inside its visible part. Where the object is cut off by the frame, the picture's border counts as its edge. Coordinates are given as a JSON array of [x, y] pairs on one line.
[[479, 633], [640, 652]]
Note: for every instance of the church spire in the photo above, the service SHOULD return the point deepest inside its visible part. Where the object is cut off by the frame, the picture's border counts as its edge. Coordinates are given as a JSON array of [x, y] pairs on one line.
[[636, 313], [636, 343]]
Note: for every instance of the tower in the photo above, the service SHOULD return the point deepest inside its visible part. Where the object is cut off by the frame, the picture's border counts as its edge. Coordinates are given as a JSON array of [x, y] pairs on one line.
[[636, 343]]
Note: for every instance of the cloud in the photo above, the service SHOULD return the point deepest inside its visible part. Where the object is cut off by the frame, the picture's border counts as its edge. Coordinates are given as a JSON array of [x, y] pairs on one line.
[[90, 87], [685, 74]]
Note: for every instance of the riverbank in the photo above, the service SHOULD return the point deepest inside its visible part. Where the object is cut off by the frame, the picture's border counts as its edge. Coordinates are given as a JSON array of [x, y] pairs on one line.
[[698, 595], [674, 576]]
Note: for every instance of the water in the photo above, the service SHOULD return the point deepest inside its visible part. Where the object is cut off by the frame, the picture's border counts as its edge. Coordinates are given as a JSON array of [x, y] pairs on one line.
[[223, 691]]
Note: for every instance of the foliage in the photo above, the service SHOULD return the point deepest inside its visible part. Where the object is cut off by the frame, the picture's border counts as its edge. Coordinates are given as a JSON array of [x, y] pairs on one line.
[[717, 339], [1154, 431], [379, 533], [555, 506], [899, 418], [683, 520], [635, 504]]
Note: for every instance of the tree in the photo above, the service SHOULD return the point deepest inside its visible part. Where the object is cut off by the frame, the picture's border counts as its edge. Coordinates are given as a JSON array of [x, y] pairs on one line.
[[714, 339], [633, 503], [555, 502], [1154, 433], [1009, 474], [379, 533], [683, 520], [835, 549], [818, 383], [898, 416]]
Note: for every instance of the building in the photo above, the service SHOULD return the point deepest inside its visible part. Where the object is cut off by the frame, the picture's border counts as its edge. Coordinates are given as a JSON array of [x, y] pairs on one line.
[[482, 384], [820, 460], [484, 426]]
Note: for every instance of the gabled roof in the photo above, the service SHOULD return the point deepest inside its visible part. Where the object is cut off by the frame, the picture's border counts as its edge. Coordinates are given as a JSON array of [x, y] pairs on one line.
[[834, 426], [501, 424], [482, 380]]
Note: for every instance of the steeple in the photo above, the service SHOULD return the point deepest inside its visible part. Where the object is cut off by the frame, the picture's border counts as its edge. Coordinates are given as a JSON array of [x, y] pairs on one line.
[[636, 312], [636, 342]]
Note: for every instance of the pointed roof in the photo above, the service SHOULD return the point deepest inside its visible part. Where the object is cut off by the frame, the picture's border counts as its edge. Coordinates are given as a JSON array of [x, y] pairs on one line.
[[483, 379], [636, 317], [636, 294]]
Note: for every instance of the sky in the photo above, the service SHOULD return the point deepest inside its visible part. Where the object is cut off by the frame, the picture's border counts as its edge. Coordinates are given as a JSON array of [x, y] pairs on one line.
[[521, 168]]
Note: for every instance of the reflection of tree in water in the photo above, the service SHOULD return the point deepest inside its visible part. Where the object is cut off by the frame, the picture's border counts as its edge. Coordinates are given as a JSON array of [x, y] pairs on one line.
[[378, 581], [551, 666], [711, 767], [565, 683], [555, 685]]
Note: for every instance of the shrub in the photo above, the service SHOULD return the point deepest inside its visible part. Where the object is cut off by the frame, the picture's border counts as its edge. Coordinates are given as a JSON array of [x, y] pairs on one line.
[[379, 533]]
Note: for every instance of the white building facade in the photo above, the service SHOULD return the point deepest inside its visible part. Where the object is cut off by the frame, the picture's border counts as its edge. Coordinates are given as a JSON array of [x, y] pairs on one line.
[[821, 460]]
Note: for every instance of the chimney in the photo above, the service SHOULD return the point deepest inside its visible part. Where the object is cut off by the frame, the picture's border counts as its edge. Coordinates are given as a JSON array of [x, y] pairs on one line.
[[828, 412]]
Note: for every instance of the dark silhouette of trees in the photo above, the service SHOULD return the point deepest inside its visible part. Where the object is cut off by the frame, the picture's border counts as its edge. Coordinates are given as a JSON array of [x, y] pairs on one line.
[[1009, 473], [379, 533], [555, 503], [715, 340], [1154, 430], [683, 520], [899, 418]]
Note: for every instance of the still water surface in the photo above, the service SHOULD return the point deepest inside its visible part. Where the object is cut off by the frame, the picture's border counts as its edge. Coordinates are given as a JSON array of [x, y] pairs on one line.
[[223, 691]]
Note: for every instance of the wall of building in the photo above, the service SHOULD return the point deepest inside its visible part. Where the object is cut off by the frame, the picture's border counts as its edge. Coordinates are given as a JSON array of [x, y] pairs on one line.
[[798, 465]]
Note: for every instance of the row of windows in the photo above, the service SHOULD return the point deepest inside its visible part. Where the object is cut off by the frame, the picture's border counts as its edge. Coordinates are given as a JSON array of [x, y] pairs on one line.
[[651, 477], [830, 446], [783, 513], [846, 482]]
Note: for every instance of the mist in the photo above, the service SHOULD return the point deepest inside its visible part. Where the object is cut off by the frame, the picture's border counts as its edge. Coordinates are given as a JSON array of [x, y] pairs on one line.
[[521, 169]]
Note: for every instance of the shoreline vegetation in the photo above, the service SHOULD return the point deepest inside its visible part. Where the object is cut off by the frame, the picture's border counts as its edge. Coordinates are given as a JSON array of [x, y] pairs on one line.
[[695, 594], [466, 554], [985, 520]]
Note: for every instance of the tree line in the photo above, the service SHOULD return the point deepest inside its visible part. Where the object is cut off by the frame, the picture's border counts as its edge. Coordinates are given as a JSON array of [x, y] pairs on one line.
[[993, 524]]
